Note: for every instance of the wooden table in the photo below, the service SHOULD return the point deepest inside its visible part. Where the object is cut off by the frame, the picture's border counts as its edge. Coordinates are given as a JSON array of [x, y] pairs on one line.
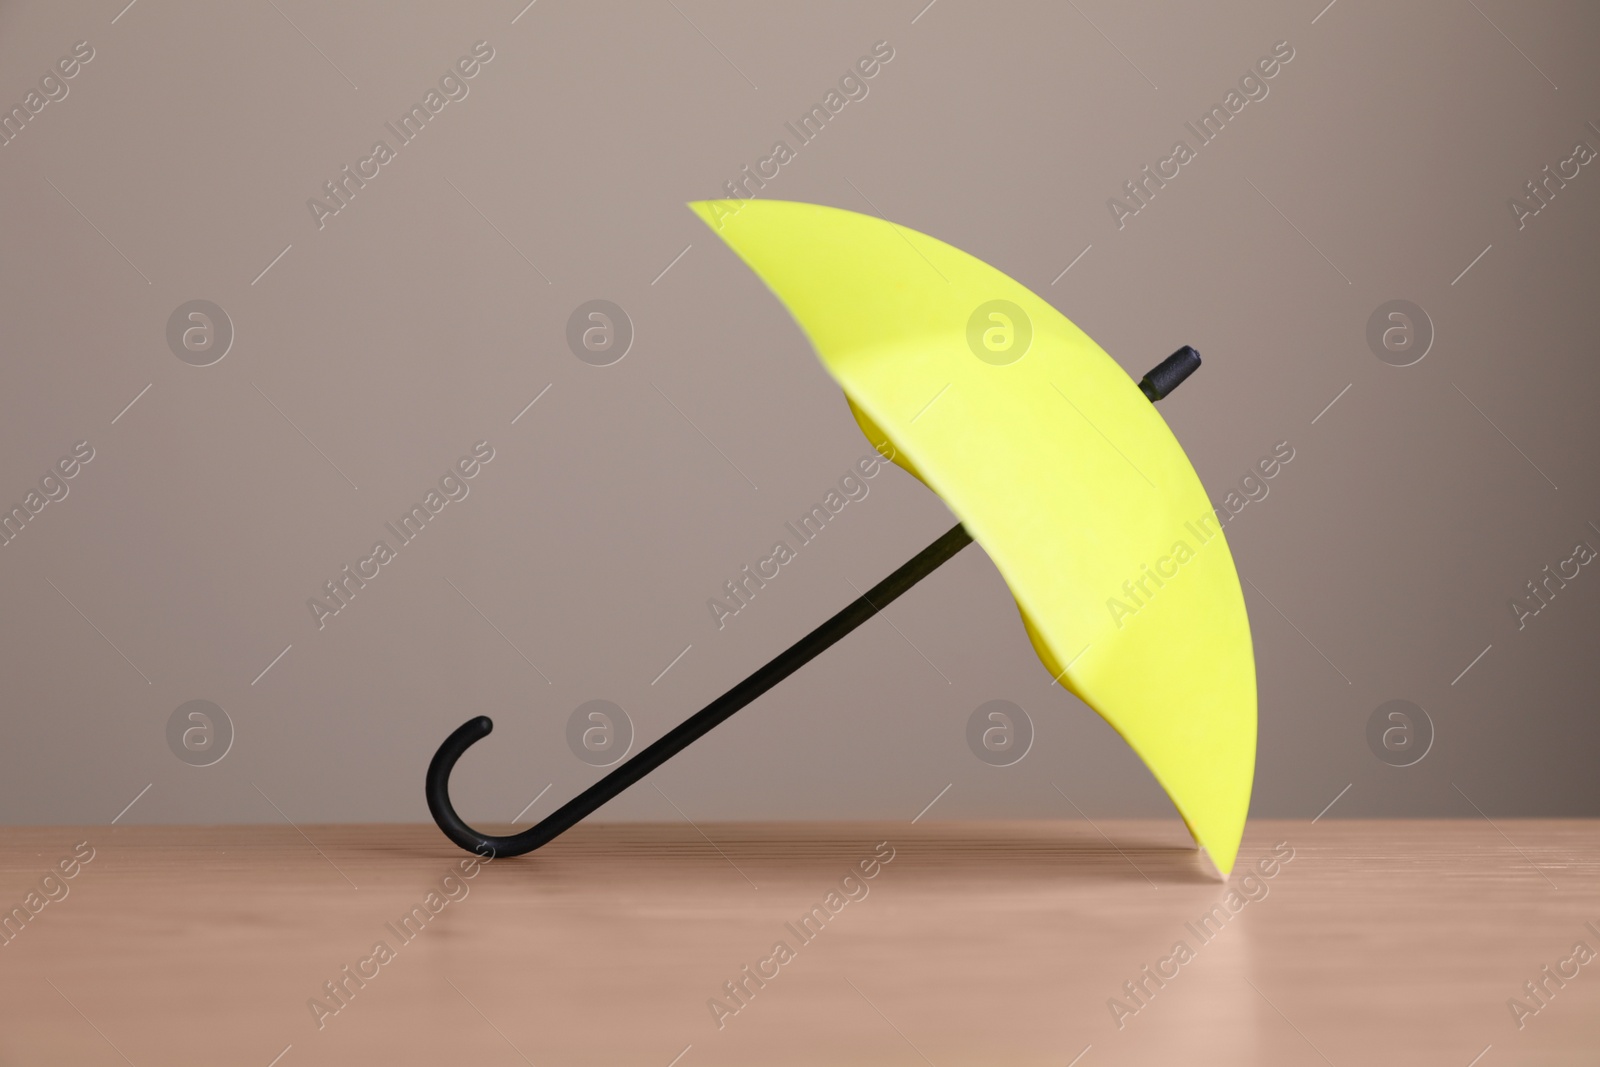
[[980, 943]]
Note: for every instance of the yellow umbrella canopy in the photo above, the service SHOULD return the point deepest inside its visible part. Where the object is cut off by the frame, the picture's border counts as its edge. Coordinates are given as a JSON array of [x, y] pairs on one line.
[[1056, 463]]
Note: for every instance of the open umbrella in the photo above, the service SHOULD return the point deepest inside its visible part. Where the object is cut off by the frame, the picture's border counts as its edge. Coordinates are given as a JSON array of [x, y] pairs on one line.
[[1052, 458]]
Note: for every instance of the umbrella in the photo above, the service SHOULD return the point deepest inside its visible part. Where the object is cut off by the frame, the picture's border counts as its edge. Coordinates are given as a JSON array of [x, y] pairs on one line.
[[1053, 459]]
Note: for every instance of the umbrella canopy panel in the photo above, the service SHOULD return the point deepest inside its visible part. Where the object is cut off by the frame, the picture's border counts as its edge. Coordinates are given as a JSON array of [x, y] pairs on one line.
[[1056, 463]]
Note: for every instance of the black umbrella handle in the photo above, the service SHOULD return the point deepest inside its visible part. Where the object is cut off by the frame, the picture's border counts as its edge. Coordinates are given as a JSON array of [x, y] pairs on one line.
[[685, 733], [1160, 382]]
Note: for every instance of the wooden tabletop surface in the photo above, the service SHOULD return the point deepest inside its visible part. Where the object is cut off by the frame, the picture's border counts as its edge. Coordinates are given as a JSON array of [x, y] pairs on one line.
[[1352, 942]]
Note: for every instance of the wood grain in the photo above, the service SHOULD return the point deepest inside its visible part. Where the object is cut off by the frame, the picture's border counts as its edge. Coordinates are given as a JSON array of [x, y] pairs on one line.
[[982, 943]]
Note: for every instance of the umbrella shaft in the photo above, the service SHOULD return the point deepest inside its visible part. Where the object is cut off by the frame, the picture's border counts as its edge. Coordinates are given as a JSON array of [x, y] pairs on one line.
[[774, 671]]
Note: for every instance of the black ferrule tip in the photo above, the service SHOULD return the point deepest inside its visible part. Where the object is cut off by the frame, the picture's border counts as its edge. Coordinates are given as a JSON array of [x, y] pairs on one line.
[[1170, 373]]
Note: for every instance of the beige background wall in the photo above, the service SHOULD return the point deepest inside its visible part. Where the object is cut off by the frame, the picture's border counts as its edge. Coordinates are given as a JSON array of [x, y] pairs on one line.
[[371, 353]]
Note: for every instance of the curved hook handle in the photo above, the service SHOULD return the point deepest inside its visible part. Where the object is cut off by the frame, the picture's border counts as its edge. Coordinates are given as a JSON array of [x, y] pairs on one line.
[[437, 789], [444, 812]]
